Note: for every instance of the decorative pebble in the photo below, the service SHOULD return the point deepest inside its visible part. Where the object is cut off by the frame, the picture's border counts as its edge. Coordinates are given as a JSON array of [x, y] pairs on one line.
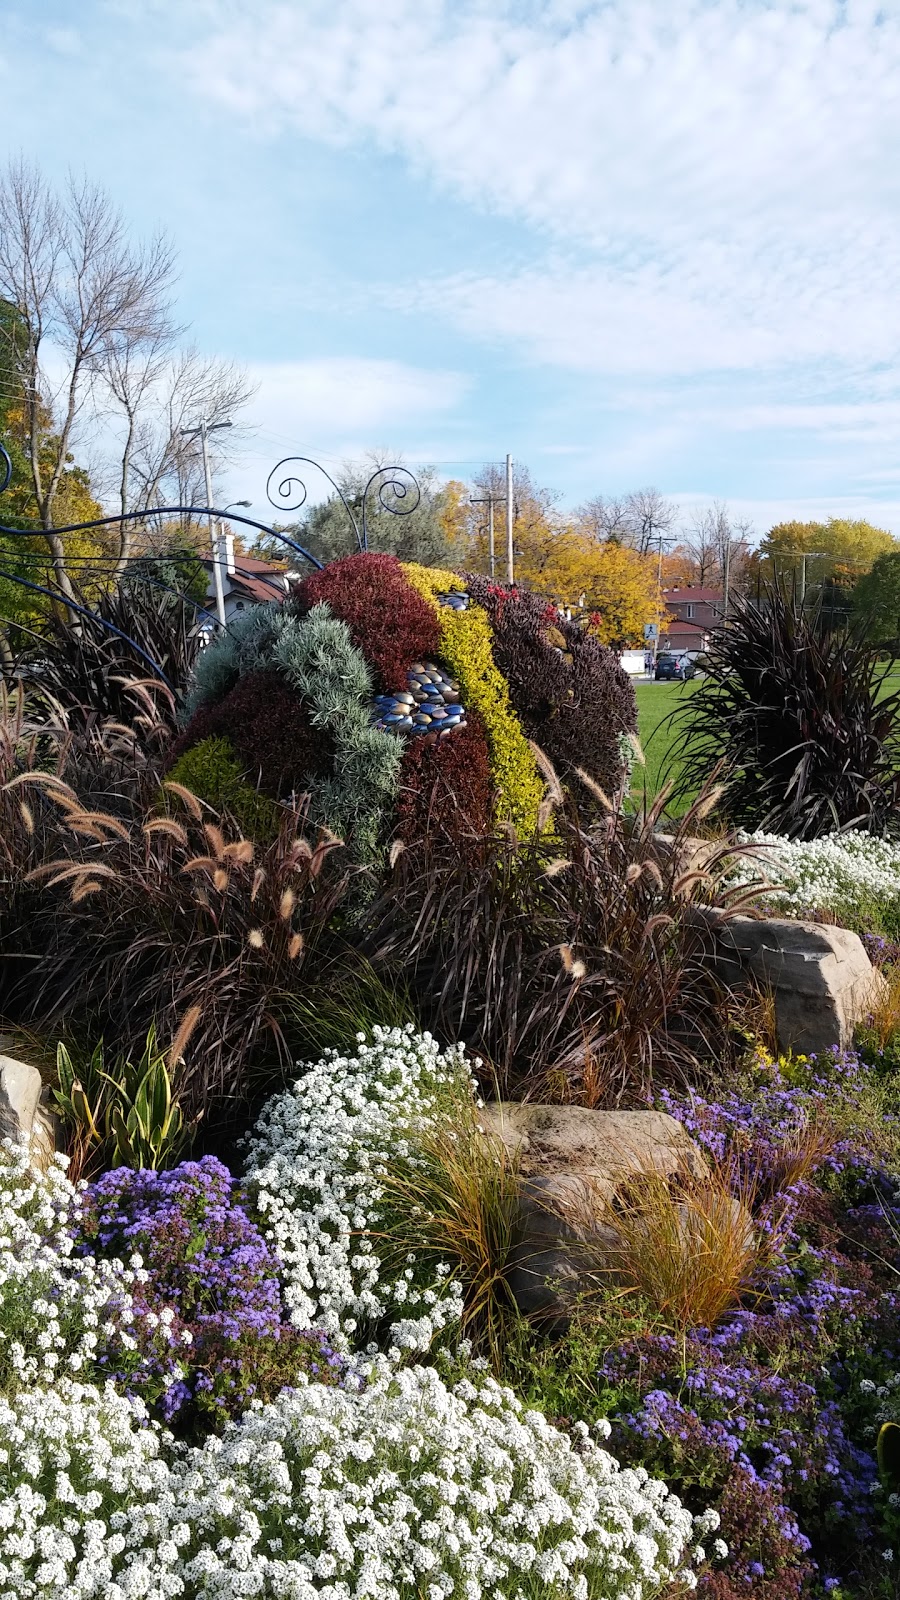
[[428, 708]]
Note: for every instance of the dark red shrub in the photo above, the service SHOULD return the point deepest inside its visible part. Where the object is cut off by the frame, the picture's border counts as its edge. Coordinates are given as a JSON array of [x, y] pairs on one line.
[[270, 729], [446, 788], [571, 694], [388, 619]]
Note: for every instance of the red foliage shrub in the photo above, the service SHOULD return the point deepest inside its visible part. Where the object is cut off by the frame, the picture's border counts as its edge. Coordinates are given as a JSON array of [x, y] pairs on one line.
[[269, 727], [569, 691], [388, 619], [446, 788]]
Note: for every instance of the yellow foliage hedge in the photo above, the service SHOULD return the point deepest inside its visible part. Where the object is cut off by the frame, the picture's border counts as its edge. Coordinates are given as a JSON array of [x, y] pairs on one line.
[[466, 645]]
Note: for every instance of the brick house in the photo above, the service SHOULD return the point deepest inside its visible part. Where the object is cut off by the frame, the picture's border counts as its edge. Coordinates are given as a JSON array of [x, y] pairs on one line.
[[693, 613]]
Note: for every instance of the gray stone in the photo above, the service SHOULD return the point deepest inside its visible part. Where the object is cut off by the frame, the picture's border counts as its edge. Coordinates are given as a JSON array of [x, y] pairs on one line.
[[25, 1113], [571, 1164], [691, 854], [821, 979]]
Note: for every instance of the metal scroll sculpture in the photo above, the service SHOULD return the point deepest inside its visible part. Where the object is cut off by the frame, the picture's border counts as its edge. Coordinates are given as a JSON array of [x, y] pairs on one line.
[[391, 486]]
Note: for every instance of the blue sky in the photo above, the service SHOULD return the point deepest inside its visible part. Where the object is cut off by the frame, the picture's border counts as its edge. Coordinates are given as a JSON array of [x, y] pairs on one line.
[[631, 241]]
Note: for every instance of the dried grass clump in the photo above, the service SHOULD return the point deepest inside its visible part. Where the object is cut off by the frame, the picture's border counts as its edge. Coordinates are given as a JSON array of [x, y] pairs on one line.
[[456, 1200], [690, 1249]]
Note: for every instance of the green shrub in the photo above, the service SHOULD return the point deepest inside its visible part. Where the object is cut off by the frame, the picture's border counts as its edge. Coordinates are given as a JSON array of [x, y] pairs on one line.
[[212, 771], [466, 646]]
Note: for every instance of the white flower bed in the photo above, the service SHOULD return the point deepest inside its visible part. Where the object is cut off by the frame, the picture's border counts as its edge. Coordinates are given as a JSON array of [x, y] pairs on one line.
[[396, 1487], [841, 871], [405, 1490], [84, 1499], [314, 1163], [53, 1307]]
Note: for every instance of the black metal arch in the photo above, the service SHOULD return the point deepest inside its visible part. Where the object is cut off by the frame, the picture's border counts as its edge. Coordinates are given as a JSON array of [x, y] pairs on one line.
[[390, 484]]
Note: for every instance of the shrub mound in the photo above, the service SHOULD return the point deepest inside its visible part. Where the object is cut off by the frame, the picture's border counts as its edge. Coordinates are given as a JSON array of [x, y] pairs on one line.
[[403, 699]]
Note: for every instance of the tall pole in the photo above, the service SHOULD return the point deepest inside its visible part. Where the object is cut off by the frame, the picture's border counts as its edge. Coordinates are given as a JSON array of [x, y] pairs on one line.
[[510, 575], [727, 582], [213, 536], [658, 604], [490, 500], [204, 429]]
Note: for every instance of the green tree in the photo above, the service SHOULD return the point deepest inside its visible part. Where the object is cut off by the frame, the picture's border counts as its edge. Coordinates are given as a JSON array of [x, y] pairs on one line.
[[29, 558], [426, 534], [876, 599], [842, 549]]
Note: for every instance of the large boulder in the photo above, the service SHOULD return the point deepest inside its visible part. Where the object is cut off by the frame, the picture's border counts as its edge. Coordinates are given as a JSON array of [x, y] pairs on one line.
[[572, 1163], [25, 1115], [820, 977]]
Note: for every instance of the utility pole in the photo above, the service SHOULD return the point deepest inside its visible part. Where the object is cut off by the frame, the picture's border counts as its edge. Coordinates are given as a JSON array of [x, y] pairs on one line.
[[726, 581], [490, 500], [662, 541], [204, 429], [805, 555], [510, 577]]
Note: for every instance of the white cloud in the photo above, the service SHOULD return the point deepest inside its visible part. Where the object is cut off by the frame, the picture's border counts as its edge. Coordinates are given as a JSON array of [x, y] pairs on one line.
[[334, 394], [334, 409], [722, 173]]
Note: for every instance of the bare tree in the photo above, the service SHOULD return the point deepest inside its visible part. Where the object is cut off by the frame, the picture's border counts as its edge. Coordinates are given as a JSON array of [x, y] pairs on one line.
[[719, 546], [648, 517], [89, 300], [702, 547], [604, 518], [164, 464]]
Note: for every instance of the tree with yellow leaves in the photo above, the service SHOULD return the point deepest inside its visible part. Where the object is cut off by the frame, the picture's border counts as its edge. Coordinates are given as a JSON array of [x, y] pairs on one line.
[[842, 549], [616, 584]]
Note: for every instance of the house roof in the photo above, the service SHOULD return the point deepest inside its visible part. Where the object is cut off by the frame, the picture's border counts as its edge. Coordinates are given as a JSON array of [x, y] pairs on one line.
[[257, 579], [693, 591], [675, 625], [267, 583]]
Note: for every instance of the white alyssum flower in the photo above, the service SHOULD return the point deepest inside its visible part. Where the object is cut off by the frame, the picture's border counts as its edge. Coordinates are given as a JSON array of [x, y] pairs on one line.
[[314, 1164], [406, 1487], [85, 1498], [840, 871], [54, 1307]]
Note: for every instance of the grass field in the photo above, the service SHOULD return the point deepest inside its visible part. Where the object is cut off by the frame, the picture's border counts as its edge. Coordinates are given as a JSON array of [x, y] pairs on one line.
[[655, 704]]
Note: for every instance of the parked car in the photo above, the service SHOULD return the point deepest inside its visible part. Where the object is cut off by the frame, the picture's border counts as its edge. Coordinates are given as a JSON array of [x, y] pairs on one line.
[[669, 665]]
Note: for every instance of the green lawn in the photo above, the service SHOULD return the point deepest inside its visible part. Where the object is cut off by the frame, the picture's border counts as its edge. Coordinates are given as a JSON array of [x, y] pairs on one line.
[[655, 704]]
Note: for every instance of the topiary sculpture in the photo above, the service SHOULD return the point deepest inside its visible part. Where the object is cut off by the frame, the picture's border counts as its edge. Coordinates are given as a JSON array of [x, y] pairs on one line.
[[403, 699]]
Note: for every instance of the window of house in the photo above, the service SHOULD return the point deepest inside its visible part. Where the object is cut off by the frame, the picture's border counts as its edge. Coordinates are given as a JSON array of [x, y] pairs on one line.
[[690, 612]]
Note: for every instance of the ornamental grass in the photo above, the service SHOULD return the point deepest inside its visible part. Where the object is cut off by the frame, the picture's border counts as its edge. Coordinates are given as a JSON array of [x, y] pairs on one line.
[[457, 1201], [574, 961], [143, 921], [795, 712], [690, 1248]]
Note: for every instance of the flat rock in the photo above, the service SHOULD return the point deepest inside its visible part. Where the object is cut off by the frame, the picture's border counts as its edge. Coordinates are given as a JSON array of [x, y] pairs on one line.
[[571, 1163], [25, 1113], [821, 979]]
